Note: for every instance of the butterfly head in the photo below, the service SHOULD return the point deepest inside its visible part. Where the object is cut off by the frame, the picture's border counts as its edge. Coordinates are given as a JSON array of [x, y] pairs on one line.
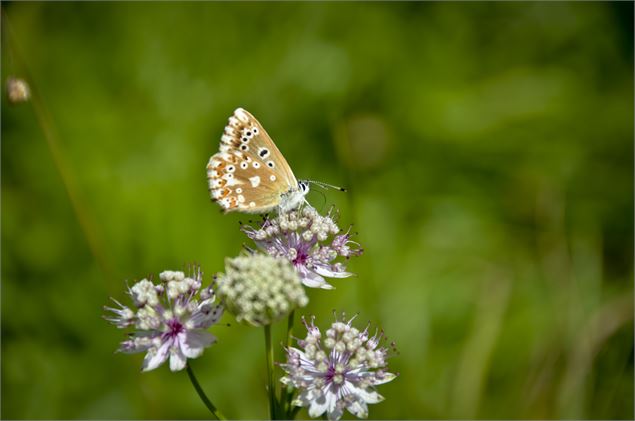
[[303, 186]]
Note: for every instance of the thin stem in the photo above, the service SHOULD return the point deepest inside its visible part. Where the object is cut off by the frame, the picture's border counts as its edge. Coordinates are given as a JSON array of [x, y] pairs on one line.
[[290, 328], [270, 387], [294, 412], [45, 122], [201, 394], [287, 393]]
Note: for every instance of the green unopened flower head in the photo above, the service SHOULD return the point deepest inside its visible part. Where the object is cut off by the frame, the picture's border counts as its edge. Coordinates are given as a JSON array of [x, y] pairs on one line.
[[260, 289]]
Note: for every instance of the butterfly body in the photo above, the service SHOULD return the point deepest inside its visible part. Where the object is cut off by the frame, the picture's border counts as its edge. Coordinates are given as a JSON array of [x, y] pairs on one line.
[[294, 197], [249, 174]]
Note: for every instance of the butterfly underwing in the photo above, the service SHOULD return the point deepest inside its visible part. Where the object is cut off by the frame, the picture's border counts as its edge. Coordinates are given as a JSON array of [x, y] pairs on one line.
[[249, 174]]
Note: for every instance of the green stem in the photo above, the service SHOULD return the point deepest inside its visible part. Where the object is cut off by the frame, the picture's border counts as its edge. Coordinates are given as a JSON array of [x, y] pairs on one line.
[[271, 386], [201, 394], [290, 328], [287, 393], [85, 219]]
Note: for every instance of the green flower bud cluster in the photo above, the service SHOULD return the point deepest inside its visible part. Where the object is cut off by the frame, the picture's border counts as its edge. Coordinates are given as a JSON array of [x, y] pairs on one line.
[[260, 289]]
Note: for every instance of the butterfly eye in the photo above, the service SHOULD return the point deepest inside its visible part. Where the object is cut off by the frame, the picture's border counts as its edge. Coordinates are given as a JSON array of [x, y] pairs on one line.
[[270, 164], [244, 147], [256, 165], [255, 130], [244, 165], [245, 139], [263, 152], [231, 168]]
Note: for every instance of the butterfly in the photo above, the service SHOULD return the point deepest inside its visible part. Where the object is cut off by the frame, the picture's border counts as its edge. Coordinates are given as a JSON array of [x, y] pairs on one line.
[[249, 174]]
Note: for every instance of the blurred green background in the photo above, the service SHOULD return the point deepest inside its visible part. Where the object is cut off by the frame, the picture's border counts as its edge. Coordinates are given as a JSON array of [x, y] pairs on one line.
[[488, 152]]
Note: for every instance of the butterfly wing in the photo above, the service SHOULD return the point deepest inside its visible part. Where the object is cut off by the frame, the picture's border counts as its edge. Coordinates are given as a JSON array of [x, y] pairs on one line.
[[248, 174]]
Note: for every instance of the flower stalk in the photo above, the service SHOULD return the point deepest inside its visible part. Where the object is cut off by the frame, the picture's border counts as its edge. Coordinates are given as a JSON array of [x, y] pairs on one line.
[[287, 391], [201, 394], [271, 389]]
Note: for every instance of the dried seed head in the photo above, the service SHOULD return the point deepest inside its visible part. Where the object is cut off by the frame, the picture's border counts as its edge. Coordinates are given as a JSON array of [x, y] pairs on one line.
[[17, 90]]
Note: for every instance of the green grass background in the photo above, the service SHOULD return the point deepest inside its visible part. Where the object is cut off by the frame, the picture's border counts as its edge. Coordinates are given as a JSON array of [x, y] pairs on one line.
[[488, 152]]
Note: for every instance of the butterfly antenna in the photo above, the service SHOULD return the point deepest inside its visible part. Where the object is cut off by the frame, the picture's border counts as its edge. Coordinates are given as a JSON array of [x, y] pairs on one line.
[[326, 185], [323, 197]]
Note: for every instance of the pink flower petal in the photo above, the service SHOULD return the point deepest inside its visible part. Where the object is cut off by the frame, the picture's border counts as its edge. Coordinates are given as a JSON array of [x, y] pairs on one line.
[[154, 359], [177, 359], [195, 341]]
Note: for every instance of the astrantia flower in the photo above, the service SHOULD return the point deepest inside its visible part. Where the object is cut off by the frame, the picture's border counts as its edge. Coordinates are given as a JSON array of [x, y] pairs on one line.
[[310, 241], [337, 372], [170, 319], [260, 289]]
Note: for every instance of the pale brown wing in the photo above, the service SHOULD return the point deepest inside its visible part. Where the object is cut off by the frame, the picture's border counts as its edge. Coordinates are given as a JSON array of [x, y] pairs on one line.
[[249, 174]]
